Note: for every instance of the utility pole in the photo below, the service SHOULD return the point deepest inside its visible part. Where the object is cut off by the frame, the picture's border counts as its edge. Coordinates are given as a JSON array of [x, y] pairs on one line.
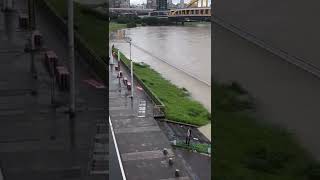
[[72, 108], [71, 57], [32, 15], [32, 27], [131, 64]]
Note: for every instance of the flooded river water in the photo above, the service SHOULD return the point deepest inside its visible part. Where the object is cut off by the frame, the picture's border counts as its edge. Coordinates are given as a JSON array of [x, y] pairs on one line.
[[182, 54]]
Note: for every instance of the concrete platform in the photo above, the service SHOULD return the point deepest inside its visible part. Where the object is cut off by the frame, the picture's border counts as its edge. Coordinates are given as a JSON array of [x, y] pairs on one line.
[[38, 141], [140, 139]]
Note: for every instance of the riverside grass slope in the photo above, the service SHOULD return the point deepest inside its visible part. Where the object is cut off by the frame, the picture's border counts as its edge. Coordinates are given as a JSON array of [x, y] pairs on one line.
[[179, 106], [248, 149], [116, 26]]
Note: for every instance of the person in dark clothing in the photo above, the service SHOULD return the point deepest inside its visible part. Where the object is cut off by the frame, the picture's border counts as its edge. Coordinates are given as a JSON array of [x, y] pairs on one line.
[[188, 138]]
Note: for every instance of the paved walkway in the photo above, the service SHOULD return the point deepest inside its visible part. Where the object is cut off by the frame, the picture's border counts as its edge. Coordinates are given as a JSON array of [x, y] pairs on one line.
[[139, 137], [38, 141], [206, 131]]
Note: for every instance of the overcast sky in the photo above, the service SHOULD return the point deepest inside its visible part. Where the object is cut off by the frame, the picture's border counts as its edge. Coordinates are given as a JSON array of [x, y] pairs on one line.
[[145, 1]]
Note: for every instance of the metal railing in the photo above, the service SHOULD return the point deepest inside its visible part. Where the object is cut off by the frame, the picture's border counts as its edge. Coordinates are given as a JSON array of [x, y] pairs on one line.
[[117, 150], [159, 111], [1, 173]]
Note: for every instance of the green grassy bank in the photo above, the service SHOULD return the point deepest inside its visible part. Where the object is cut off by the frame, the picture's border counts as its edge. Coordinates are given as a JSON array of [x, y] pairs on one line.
[[178, 104], [92, 29], [113, 26], [247, 149], [198, 147]]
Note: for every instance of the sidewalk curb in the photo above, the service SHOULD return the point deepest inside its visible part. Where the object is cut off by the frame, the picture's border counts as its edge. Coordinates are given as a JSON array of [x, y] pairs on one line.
[[179, 123]]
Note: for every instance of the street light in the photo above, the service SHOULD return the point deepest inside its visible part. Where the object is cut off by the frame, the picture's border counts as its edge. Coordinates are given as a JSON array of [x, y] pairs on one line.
[[71, 57], [128, 40], [131, 66]]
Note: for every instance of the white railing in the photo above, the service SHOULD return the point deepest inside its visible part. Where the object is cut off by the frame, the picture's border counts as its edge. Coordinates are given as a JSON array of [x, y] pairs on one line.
[[117, 150]]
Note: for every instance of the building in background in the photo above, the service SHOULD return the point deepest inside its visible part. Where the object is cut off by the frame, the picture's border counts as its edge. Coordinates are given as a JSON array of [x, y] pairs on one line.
[[162, 5], [119, 3], [181, 4], [125, 4], [151, 4], [139, 6], [170, 4]]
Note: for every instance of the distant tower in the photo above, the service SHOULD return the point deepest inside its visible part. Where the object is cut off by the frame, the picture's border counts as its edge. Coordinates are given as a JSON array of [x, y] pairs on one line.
[[204, 3], [151, 4], [124, 3], [162, 5], [181, 3], [169, 3], [114, 3]]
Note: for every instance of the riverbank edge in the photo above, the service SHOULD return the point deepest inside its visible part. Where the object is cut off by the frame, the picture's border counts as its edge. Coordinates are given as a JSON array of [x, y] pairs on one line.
[[116, 26], [93, 59], [156, 98], [251, 149], [121, 26]]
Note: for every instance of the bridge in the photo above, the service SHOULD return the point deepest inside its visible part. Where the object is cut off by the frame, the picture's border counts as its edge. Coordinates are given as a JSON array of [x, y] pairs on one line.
[[195, 10]]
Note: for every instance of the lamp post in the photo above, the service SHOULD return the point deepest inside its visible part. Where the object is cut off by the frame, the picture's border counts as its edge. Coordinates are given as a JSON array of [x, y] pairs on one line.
[[32, 27], [128, 39], [71, 57], [131, 66]]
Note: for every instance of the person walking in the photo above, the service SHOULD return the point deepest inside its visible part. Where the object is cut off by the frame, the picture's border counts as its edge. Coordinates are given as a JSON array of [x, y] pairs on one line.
[[188, 138]]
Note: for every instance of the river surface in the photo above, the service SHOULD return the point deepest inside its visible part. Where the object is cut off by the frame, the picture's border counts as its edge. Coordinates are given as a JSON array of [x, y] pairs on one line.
[[182, 54], [286, 96]]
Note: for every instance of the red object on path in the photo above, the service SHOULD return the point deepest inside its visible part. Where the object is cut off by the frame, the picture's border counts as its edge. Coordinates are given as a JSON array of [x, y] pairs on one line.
[[23, 21], [37, 38], [62, 76], [125, 80], [140, 88], [120, 75], [95, 83], [129, 86], [51, 61]]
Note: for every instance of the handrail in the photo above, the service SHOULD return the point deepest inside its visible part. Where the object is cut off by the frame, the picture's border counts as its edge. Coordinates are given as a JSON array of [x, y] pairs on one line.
[[117, 150], [1, 175]]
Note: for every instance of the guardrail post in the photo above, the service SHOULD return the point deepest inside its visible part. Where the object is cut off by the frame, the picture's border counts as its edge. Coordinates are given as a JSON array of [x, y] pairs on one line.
[[71, 57], [177, 173]]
